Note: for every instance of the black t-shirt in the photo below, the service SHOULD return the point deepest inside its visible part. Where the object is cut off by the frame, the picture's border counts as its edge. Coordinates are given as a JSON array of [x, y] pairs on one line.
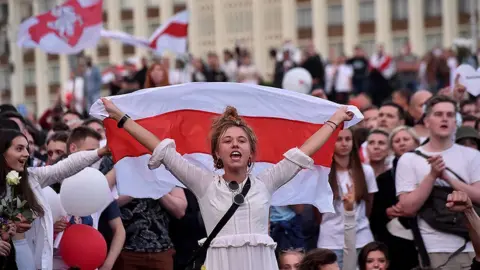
[[360, 66], [110, 213]]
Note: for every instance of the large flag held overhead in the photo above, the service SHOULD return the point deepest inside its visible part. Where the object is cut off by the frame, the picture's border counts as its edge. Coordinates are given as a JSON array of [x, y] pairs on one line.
[[281, 119], [66, 29]]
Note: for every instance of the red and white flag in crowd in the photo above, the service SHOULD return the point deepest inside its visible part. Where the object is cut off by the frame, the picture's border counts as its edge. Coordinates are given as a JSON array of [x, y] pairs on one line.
[[281, 120], [172, 35], [66, 29]]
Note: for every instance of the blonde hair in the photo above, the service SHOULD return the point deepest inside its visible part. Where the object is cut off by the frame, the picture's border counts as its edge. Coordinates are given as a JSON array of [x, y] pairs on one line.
[[409, 130], [228, 119]]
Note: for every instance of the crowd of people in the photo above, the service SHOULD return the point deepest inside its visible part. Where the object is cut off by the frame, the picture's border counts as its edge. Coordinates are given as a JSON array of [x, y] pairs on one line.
[[419, 136]]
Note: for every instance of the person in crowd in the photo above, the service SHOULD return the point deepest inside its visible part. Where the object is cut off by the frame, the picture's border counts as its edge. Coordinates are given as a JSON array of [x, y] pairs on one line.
[[290, 259], [378, 151], [403, 254], [373, 256], [14, 148], [157, 76], [199, 70], [468, 136], [407, 65], [314, 65], [233, 149], [320, 259], [416, 111], [382, 69], [214, 73], [437, 71], [459, 201], [180, 73], [286, 227], [347, 170], [72, 119], [468, 107], [415, 177], [359, 63], [469, 121], [370, 117], [86, 139], [17, 118], [247, 72], [93, 83], [56, 146], [390, 116], [282, 66], [96, 125], [141, 74], [230, 65]]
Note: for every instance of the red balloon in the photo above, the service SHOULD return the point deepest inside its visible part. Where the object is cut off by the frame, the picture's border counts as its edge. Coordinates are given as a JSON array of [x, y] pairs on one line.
[[83, 247]]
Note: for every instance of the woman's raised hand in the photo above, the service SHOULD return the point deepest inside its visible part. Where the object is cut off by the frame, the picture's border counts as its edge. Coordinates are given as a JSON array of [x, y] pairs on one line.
[[112, 110], [341, 115]]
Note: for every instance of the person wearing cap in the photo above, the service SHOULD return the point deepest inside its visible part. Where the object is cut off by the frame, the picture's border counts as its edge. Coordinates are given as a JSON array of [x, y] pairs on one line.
[[468, 136]]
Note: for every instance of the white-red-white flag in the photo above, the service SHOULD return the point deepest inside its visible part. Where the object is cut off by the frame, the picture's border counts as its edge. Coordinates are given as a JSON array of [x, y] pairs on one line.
[[172, 35], [66, 29], [281, 120]]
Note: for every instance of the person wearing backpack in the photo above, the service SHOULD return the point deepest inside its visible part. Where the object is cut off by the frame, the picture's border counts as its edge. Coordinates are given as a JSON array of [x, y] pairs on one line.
[[437, 168]]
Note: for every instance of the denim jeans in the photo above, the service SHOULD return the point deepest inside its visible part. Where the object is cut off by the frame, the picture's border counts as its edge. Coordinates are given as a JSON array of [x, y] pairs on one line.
[[288, 234]]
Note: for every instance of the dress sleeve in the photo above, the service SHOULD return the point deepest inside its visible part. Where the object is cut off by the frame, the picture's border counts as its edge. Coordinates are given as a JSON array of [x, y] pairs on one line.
[[194, 178], [282, 172], [350, 234], [76, 162]]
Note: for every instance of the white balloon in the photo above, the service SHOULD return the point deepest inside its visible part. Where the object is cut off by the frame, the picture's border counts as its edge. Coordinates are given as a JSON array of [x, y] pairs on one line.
[[85, 193], [53, 200], [298, 80]]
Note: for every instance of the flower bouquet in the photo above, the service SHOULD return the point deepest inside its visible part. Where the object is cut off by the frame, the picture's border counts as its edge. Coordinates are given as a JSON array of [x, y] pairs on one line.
[[13, 209]]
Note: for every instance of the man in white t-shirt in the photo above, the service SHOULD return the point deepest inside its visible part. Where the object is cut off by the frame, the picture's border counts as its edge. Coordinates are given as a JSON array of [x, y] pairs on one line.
[[415, 177]]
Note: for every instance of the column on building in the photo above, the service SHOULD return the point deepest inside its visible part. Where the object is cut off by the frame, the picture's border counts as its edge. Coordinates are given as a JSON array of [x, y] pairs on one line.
[[289, 21], [166, 10], [115, 48], [220, 26], [259, 49], [416, 26], [92, 53], [140, 24], [42, 95], [17, 85], [63, 63], [193, 27], [350, 25], [320, 26], [449, 22], [383, 24]]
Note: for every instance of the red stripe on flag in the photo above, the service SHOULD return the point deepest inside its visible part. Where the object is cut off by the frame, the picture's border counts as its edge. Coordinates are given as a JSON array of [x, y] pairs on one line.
[[190, 130], [174, 29]]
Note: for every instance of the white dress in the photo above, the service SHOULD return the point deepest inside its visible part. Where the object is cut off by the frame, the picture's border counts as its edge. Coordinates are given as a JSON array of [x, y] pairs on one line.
[[244, 243]]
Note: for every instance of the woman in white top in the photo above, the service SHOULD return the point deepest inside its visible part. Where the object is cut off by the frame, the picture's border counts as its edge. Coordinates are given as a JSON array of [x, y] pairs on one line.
[[14, 149], [347, 170], [243, 243]]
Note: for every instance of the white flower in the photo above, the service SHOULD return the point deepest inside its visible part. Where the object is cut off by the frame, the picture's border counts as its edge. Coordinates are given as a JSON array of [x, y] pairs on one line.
[[13, 178]]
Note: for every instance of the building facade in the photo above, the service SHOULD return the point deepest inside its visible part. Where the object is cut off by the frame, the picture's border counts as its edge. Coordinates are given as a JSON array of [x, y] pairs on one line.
[[32, 77]]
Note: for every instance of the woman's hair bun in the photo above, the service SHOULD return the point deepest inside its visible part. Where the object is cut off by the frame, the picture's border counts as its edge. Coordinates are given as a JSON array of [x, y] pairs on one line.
[[231, 113]]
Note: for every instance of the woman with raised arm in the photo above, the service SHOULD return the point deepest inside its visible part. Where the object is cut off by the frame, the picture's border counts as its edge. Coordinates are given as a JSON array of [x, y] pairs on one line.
[[243, 243]]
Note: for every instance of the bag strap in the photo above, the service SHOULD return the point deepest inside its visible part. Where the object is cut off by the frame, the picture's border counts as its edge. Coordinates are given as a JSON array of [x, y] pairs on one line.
[[223, 221], [448, 169]]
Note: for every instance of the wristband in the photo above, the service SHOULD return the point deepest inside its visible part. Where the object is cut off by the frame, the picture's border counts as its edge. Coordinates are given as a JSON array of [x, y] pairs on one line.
[[122, 121], [331, 122]]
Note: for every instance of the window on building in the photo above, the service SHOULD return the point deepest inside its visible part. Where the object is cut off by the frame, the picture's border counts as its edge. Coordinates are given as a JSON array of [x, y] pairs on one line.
[[434, 40], [304, 17], [366, 11], [433, 8], [398, 43], [464, 6], [368, 45], [153, 3], [4, 78], [335, 14], [152, 26], [465, 34], [54, 72], [127, 4], [29, 76], [399, 9], [128, 28]]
